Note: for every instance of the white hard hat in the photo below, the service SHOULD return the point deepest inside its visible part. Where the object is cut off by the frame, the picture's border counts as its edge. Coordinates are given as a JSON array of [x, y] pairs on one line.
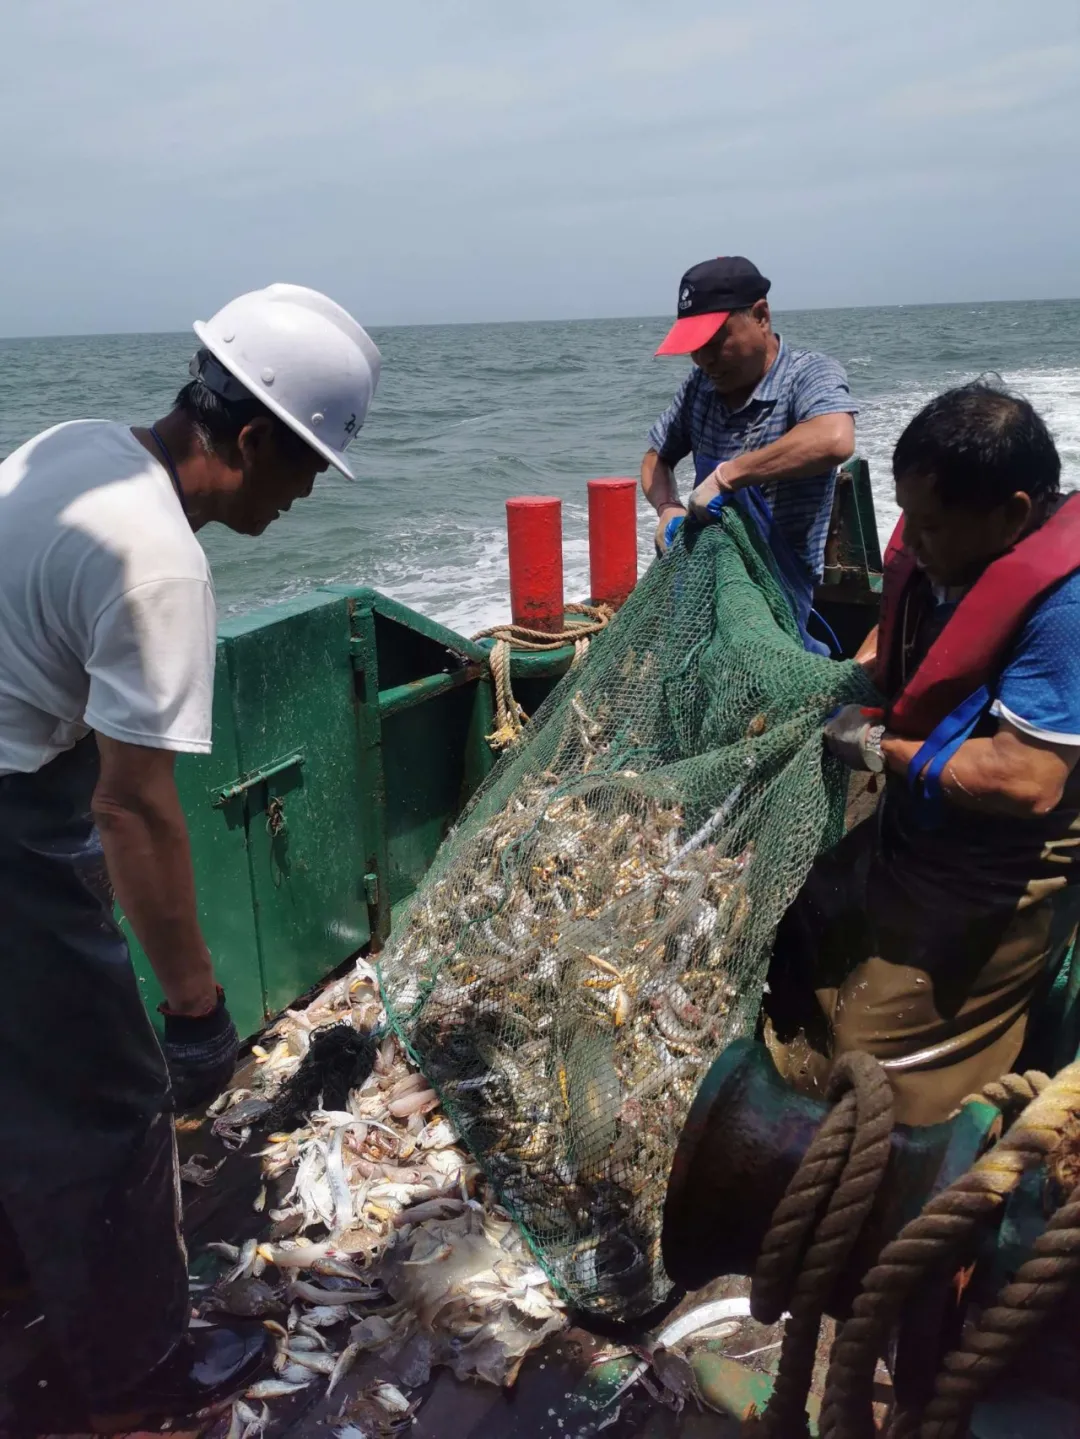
[[305, 358]]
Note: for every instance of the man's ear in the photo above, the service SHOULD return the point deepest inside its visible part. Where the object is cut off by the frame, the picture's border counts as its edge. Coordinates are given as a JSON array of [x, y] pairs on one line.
[[254, 441], [760, 311], [1016, 516]]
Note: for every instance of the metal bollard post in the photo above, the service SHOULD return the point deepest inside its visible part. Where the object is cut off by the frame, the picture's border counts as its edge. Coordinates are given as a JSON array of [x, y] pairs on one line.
[[534, 540], [612, 539]]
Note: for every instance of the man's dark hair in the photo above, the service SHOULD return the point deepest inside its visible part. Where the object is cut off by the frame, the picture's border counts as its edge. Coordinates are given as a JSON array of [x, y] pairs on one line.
[[981, 445], [217, 421]]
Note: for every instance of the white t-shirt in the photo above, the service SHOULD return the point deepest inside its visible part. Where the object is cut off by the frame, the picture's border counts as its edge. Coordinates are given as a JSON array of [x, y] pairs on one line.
[[107, 617]]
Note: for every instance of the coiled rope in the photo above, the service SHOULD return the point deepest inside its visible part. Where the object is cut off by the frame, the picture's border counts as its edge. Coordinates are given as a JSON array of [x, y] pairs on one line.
[[936, 1239], [510, 718], [817, 1223], [814, 1229]]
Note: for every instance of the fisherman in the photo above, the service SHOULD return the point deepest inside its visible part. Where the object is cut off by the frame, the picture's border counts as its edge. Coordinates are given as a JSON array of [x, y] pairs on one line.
[[107, 642], [765, 422], [929, 931]]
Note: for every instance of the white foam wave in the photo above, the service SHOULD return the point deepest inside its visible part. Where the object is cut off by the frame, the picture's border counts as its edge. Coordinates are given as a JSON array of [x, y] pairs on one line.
[[474, 593], [1055, 393]]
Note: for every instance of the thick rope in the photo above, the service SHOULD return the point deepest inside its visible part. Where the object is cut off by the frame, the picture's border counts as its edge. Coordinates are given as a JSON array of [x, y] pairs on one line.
[[510, 718], [1011, 1093], [805, 1250], [1002, 1330], [928, 1245]]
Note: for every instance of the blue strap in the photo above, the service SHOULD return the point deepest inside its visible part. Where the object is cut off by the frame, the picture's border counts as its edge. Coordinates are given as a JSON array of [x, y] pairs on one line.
[[794, 576], [171, 467], [927, 765]]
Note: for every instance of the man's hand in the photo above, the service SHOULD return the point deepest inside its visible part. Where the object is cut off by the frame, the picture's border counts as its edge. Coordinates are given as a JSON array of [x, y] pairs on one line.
[[659, 487], [717, 483], [145, 840], [666, 514], [854, 735], [200, 1051]]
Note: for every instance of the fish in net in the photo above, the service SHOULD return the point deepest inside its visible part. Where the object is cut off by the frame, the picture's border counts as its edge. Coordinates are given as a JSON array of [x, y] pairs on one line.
[[597, 928]]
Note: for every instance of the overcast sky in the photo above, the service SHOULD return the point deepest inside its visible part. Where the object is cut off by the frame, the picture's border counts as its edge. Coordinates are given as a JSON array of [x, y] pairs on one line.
[[454, 160]]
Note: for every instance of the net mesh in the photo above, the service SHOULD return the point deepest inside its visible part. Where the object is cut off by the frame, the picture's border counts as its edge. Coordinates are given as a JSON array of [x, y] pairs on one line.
[[598, 926]]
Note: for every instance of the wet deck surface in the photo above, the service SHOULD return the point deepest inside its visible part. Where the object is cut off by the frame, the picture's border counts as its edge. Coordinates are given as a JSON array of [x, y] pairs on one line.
[[547, 1401]]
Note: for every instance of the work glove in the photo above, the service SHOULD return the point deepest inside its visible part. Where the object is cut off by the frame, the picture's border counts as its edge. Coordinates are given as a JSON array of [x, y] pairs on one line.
[[853, 733], [200, 1052], [667, 529], [710, 497]]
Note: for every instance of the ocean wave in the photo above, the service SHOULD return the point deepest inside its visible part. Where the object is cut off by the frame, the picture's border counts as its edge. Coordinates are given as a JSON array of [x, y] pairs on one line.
[[469, 415]]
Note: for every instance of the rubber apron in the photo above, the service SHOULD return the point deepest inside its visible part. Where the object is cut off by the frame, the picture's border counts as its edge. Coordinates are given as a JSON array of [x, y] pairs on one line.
[[797, 581], [88, 1184]]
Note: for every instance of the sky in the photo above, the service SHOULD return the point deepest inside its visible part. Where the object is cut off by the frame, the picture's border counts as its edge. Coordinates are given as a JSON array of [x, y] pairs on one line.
[[477, 160]]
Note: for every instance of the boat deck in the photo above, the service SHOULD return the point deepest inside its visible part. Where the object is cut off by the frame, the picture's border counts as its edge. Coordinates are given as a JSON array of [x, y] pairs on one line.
[[545, 1403]]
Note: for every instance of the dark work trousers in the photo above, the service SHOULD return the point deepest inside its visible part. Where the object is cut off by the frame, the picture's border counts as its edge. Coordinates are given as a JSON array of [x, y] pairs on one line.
[[88, 1177]]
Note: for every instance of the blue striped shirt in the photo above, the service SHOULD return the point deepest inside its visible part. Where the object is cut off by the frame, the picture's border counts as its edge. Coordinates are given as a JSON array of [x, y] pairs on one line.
[[799, 385]]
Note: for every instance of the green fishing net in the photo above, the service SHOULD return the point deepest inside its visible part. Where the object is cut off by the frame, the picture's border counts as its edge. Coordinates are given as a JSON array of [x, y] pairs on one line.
[[598, 926]]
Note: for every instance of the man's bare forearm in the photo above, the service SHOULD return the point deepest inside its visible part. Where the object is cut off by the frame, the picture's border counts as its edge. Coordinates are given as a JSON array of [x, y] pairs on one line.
[[1006, 774], [808, 449], [145, 839], [658, 483], [866, 654]]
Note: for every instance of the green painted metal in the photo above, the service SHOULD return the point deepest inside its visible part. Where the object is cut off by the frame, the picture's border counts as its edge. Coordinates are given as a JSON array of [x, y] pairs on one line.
[[849, 596], [260, 776], [293, 681], [349, 731], [737, 1390], [853, 545], [406, 697], [434, 707]]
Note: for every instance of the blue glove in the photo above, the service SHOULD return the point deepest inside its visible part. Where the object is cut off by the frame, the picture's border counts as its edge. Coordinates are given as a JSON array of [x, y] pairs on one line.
[[703, 514], [672, 529]]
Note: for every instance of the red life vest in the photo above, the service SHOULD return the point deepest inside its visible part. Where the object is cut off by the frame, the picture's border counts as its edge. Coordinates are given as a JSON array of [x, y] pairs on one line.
[[974, 645]]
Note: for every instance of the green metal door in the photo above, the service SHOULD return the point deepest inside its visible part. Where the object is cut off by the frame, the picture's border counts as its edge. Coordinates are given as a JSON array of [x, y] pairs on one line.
[[298, 791]]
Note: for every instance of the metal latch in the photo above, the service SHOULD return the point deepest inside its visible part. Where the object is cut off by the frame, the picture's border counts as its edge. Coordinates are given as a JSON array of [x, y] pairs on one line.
[[238, 787]]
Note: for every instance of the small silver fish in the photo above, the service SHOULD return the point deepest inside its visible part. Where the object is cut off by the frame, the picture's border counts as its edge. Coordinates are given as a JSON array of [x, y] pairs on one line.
[[276, 1388]]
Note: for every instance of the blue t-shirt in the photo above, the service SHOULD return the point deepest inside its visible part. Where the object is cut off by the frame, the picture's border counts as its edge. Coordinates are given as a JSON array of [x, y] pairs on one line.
[[1039, 688]]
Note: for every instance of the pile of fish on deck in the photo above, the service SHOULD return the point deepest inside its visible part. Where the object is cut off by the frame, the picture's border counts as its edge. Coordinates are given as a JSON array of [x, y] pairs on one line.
[[418, 1263]]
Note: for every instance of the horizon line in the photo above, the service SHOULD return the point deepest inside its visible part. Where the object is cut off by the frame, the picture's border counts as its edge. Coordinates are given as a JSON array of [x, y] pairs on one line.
[[571, 320]]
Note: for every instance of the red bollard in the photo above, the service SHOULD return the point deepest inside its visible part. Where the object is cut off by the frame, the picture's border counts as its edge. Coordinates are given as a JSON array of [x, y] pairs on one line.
[[612, 540], [534, 539]]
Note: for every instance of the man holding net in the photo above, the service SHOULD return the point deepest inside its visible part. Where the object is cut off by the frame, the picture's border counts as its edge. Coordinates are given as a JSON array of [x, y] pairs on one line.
[[928, 932], [767, 425]]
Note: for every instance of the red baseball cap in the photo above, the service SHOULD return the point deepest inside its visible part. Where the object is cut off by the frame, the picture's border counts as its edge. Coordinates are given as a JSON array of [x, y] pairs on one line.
[[707, 295]]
